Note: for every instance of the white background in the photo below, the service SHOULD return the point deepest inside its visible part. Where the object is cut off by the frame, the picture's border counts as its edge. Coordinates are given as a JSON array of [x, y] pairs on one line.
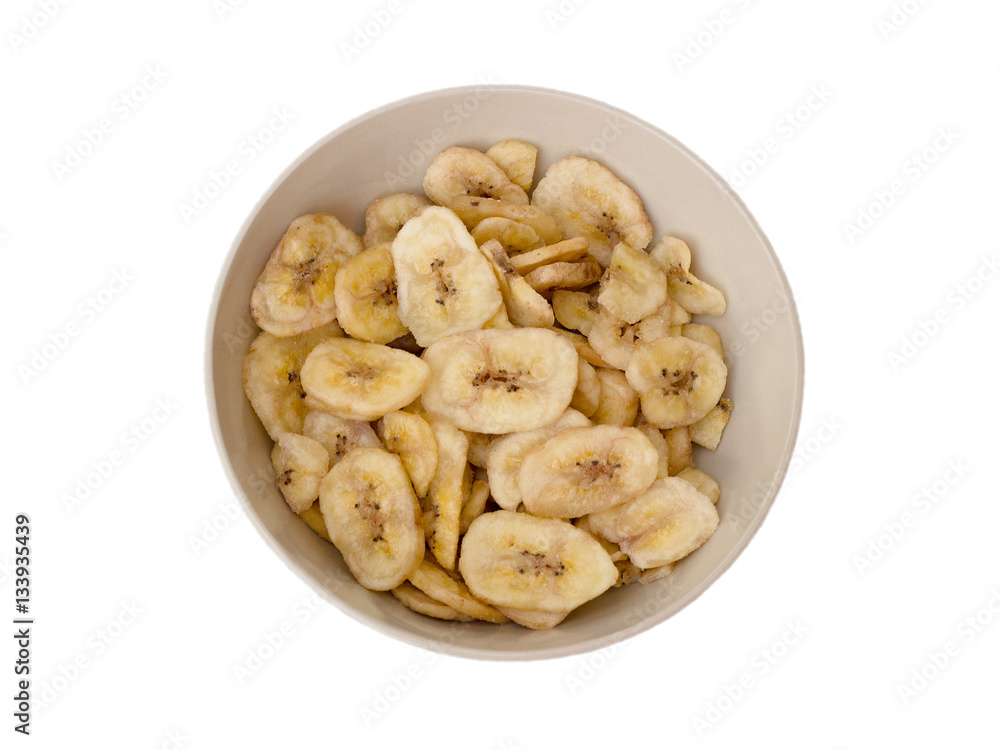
[[159, 610]]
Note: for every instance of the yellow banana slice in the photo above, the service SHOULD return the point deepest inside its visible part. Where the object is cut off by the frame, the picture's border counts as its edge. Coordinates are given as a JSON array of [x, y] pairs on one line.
[[294, 292], [585, 470], [659, 442], [446, 494], [518, 561], [701, 482], [357, 380], [475, 506], [694, 295], [678, 380], [576, 310], [634, 286], [314, 520], [411, 438], [300, 464], [459, 171], [338, 436], [666, 524], [365, 293], [504, 460], [500, 380], [413, 598], [704, 335], [534, 619], [707, 431], [566, 251], [434, 581], [272, 377], [587, 396], [619, 402], [564, 276], [473, 210], [517, 159], [679, 449], [525, 307], [373, 518], [385, 216], [444, 284], [513, 235], [588, 200]]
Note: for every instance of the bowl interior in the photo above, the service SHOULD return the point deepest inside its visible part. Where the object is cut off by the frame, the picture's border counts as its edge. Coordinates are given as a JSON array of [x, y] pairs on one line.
[[388, 151]]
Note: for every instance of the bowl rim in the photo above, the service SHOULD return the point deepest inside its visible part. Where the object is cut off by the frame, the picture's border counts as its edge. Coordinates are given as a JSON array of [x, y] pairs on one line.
[[430, 643]]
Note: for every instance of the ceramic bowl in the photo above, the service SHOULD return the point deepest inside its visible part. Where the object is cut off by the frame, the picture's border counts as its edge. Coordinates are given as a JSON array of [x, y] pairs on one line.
[[388, 150]]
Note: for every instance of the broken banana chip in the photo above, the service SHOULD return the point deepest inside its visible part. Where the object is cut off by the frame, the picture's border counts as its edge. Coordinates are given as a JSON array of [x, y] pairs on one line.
[[488, 404]]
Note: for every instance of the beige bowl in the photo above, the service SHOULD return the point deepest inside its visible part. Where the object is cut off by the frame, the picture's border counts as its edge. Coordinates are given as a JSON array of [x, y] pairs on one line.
[[387, 151]]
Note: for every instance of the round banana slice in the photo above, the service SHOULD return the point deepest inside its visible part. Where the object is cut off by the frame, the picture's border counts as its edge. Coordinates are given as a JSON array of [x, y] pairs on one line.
[[701, 482], [385, 216], [678, 380], [473, 210], [410, 437], [588, 200], [451, 485], [459, 171], [299, 463], [434, 581], [633, 287], [520, 561], [338, 436], [271, 377], [357, 380], [506, 455], [500, 380], [294, 292], [525, 307], [694, 295], [365, 293], [517, 159], [576, 310], [413, 598], [373, 518], [533, 618], [444, 284], [669, 522], [513, 235], [585, 470]]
